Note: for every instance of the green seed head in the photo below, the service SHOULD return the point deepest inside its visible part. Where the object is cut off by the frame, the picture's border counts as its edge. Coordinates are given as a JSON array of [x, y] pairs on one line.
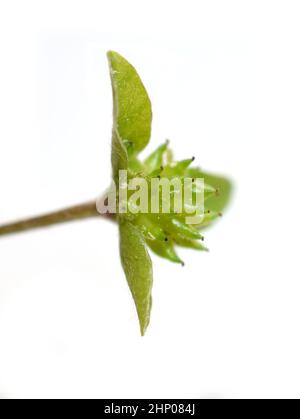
[[160, 230]]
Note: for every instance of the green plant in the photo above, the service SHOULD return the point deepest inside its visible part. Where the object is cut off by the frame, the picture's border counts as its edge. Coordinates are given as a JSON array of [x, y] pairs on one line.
[[161, 232]]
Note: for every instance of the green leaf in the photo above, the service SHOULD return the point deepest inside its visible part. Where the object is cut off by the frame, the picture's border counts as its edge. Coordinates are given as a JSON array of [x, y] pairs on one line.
[[119, 157], [132, 106], [137, 266]]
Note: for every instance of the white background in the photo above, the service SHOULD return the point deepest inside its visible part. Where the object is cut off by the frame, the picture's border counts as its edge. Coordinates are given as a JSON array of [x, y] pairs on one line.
[[224, 80]]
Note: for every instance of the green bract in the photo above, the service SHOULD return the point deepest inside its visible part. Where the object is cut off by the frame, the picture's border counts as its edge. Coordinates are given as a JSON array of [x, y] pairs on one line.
[[161, 232]]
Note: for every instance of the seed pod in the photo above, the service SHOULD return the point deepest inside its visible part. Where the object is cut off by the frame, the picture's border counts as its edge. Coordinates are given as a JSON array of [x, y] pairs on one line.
[[156, 159], [209, 190], [177, 169], [223, 186], [150, 230], [135, 165], [208, 218], [186, 230], [191, 244], [165, 250]]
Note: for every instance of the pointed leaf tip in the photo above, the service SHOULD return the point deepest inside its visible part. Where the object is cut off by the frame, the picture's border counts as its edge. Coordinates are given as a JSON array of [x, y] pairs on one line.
[[137, 266]]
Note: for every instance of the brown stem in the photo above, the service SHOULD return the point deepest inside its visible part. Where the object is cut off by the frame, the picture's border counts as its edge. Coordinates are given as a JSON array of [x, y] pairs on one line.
[[77, 212]]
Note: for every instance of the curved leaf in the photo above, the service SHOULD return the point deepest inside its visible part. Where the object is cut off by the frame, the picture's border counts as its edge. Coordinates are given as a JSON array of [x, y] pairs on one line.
[[137, 266], [119, 157], [132, 106]]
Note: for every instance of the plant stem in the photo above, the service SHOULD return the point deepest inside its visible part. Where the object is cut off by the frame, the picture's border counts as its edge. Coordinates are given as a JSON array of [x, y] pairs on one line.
[[78, 212]]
